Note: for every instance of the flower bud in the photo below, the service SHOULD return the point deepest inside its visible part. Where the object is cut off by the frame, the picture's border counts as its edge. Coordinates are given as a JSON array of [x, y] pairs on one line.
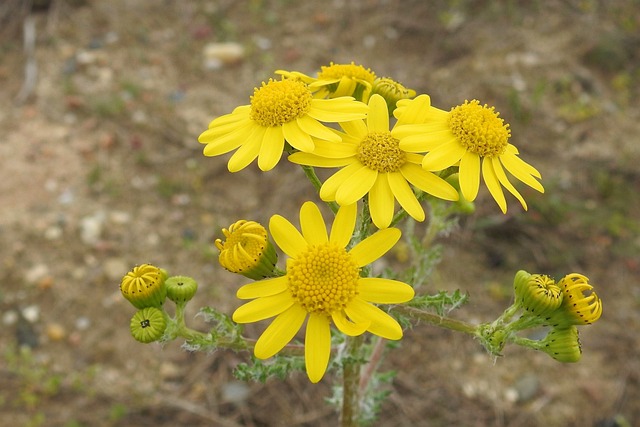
[[391, 91], [536, 293], [247, 250], [580, 304], [181, 289], [563, 344], [148, 325], [144, 286]]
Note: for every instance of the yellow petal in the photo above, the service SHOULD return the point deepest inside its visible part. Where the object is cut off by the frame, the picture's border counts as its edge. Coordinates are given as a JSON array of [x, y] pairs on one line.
[[286, 236], [347, 326], [213, 133], [374, 246], [428, 182], [248, 151], [416, 111], [355, 128], [312, 224], [470, 175], [521, 170], [296, 137], [280, 332], [358, 184], [423, 142], [382, 324], [309, 159], [317, 346], [334, 182], [229, 141], [443, 156], [341, 109], [314, 128], [343, 225], [502, 177], [378, 118], [263, 288], [405, 195], [381, 202], [263, 308], [384, 291], [491, 180], [239, 113], [335, 150], [346, 87], [271, 148]]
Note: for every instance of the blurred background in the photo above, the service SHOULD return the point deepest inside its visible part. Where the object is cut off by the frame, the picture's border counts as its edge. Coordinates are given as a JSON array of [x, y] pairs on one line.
[[100, 170]]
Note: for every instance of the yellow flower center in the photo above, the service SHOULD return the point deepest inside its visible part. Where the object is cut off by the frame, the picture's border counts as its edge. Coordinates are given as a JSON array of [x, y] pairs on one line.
[[244, 245], [479, 129], [381, 152], [337, 71], [280, 101], [323, 278]]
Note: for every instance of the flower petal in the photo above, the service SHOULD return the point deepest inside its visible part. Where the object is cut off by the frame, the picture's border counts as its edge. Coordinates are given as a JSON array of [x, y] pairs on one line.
[[263, 308], [355, 128], [378, 118], [521, 170], [347, 326], [491, 180], [405, 195], [374, 246], [343, 225], [423, 142], [317, 346], [382, 324], [314, 128], [356, 186], [280, 332], [229, 141], [502, 177], [342, 109], [334, 150], [384, 291], [416, 111], [470, 175], [428, 182], [334, 182], [286, 236], [271, 148], [312, 224], [296, 137], [443, 156], [381, 202], [263, 288], [309, 159], [248, 152]]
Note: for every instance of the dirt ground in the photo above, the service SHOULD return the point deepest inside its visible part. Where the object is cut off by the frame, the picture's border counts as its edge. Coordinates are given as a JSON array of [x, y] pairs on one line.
[[100, 170]]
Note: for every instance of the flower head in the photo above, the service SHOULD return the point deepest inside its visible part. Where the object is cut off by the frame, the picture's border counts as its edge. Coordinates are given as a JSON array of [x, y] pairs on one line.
[[181, 289], [322, 285], [374, 162], [580, 304], [563, 344], [247, 250], [148, 325], [391, 91], [536, 293], [280, 110], [476, 139], [144, 286]]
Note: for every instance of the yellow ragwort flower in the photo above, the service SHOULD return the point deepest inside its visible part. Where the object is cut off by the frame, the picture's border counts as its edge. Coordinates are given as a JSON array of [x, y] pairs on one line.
[[337, 80], [144, 286], [247, 250], [536, 293], [373, 162], [391, 91], [580, 304], [322, 284], [280, 110], [475, 138]]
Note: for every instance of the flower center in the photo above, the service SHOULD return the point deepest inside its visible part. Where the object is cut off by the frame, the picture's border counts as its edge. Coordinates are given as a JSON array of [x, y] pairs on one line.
[[244, 245], [381, 152], [337, 71], [479, 129], [323, 278], [280, 101]]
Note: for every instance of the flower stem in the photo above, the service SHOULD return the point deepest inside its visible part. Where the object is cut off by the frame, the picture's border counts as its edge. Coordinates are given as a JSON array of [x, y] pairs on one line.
[[351, 382], [434, 319], [310, 172]]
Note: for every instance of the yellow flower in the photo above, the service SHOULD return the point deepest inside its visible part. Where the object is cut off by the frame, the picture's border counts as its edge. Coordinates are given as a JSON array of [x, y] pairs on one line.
[[475, 138], [373, 161], [322, 284], [280, 110], [338, 80], [391, 91], [144, 286], [580, 304], [537, 293]]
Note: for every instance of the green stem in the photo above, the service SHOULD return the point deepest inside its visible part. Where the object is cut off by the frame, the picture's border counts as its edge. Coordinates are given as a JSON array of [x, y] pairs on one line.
[[351, 382], [310, 172], [434, 319]]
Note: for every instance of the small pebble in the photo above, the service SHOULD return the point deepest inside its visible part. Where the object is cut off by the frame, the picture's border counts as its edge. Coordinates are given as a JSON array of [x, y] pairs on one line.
[[55, 332], [31, 313]]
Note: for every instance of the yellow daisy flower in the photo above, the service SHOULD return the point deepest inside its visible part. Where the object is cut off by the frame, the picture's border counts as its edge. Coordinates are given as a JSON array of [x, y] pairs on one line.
[[338, 80], [475, 138], [373, 162], [280, 110], [322, 284]]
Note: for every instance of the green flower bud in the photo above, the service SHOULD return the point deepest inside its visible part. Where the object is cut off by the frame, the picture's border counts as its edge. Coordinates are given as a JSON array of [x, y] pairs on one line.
[[391, 91], [536, 293], [580, 304], [181, 289], [247, 250], [563, 344], [148, 325], [144, 286]]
